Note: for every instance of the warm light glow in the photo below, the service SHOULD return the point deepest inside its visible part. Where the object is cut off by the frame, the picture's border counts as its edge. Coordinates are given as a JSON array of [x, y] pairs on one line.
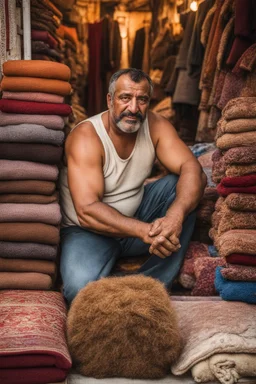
[[194, 6]]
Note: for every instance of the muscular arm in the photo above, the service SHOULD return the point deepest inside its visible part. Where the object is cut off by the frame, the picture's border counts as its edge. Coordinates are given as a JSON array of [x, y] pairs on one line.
[[85, 159]]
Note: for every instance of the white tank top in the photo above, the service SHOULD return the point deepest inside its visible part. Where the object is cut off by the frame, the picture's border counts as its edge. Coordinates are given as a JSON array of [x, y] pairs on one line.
[[123, 178]]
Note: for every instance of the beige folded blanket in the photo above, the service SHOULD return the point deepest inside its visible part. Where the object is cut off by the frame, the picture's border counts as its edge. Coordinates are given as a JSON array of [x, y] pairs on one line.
[[239, 108], [21, 265], [231, 140], [241, 201], [237, 125], [27, 170], [237, 241], [37, 68], [228, 368], [23, 280], [35, 84], [41, 213], [240, 169]]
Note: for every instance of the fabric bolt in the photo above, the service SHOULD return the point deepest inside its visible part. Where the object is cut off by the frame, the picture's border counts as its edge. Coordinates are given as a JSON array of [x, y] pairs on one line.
[[29, 198], [36, 68], [204, 269], [241, 259], [48, 121], [39, 153], [41, 213], [234, 170], [29, 232], [231, 140], [239, 272], [241, 202], [209, 327], [235, 290], [237, 241], [244, 155], [31, 133], [24, 280], [33, 96], [37, 187], [20, 265], [44, 36], [16, 250], [33, 347], [27, 170], [35, 84], [34, 107]]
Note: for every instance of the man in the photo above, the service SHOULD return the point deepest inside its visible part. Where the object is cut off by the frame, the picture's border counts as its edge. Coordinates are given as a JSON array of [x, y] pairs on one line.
[[108, 213]]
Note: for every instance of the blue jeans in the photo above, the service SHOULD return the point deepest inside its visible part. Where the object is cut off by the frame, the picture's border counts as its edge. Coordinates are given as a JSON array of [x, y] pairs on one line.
[[87, 256]]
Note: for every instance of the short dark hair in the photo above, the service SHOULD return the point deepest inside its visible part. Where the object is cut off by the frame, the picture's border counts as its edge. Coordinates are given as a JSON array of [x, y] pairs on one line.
[[136, 75]]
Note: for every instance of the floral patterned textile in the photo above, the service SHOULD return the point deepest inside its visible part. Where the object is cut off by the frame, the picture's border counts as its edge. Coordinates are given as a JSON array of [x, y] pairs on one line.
[[33, 347]]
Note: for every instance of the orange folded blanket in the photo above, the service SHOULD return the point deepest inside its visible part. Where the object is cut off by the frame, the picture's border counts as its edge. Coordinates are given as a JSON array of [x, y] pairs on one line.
[[25, 280], [29, 232], [19, 265], [37, 68], [35, 84]]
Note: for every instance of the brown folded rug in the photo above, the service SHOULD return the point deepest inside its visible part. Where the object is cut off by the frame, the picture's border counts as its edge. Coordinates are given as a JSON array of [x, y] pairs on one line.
[[33, 96], [238, 125], [16, 250], [20, 265], [240, 169], [27, 170], [240, 155], [237, 241], [239, 108], [231, 140], [40, 213], [241, 202], [230, 219], [23, 280], [29, 187], [35, 84], [29, 198], [30, 232], [239, 272], [36, 68], [39, 153]]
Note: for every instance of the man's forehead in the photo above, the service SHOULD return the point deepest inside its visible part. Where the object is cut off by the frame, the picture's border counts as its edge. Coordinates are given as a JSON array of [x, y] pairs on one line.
[[125, 83]]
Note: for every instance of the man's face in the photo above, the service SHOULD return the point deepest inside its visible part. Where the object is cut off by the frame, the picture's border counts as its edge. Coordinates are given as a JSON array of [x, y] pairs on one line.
[[128, 107]]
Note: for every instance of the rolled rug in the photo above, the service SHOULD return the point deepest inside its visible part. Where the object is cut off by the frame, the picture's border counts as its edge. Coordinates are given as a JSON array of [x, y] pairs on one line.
[[38, 187], [44, 36], [235, 290], [16, 250], [239, 181], [241, 202], [241, 259], [31, 133], [25, 280], [42, 213], [27, 170], [36, 68], [33, 351], [35, 84], [34, 107], [33, 96], [225, 191], [22, 265], [39, 153], [29, 198], [48, 121], [30, 232]]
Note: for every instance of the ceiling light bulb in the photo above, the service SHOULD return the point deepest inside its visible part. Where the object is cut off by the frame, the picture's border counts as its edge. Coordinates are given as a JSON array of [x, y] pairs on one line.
[[194, 6]]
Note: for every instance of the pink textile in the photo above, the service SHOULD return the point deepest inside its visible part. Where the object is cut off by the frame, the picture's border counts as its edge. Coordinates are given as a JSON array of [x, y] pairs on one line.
[[33, 96], [48, 121], [27, 170], [43, 213]]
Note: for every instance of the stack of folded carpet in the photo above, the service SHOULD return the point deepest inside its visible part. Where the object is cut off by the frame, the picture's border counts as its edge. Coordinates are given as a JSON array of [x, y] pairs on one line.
[[234, 219], [32, 116], [33, 347]]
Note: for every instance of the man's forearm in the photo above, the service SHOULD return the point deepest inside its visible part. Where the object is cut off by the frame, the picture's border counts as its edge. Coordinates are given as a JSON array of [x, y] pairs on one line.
[[103, 219], [189, 190]]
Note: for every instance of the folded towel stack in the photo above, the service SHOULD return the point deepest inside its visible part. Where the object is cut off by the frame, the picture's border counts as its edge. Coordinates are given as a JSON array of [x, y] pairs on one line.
[[32, 112], [234, 219]]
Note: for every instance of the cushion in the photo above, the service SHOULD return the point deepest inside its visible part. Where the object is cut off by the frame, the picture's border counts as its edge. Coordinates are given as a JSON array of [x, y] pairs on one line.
[[124, 327]]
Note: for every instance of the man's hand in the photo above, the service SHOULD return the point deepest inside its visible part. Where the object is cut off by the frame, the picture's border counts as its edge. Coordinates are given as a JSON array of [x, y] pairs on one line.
[[165, 234]]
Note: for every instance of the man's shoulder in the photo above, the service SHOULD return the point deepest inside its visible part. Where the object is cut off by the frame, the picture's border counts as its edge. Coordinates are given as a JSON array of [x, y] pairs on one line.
[[157, 122]]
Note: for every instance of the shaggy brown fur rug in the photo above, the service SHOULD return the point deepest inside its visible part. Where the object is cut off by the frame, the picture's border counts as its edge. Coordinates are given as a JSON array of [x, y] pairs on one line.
[[125, 327]]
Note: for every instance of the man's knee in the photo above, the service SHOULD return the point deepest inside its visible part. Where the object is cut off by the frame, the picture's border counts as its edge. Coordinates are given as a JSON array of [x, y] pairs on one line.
[[74, 283]]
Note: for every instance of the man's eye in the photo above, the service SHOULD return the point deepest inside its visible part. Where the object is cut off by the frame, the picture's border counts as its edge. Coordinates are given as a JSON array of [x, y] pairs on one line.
[[143, 100], [125, 98]]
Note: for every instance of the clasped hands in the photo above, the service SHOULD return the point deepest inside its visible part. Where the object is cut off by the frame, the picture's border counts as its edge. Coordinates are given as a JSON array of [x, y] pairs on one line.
[[164, 236]]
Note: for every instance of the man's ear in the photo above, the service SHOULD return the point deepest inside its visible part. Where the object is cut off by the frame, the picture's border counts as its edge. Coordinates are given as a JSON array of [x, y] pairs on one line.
[[108, 100]]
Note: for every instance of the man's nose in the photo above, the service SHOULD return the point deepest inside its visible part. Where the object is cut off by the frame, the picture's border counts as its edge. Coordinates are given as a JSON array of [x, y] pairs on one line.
[[133, 105]]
